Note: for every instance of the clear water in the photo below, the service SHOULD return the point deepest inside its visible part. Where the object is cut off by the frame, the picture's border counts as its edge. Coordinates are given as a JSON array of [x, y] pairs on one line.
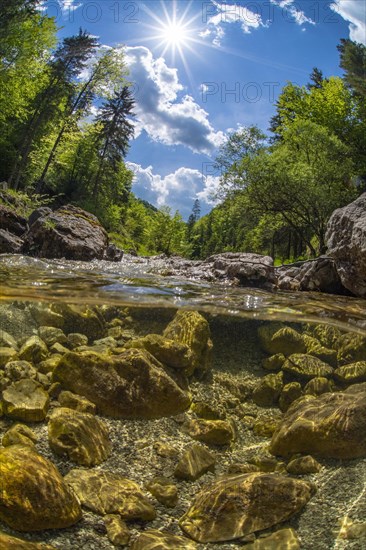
[[135, 296]]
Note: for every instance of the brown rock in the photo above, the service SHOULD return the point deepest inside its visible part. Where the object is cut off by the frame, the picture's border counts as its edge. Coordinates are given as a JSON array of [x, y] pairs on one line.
[[194, 462]]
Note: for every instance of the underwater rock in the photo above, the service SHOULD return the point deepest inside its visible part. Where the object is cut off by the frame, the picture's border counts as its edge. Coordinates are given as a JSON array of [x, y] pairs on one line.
[[169, 352], [107, 493], [346, 242], [315, 348], [52, 335], [349, 374], [283, 539], [26, 400], [306, 367], [87, 320], [268, 390], [33, 494], [238, 505], [7, 340], [205, 410], [331, 426], [286, 340], [69, 232], [117, 530], [351, 348], [7, 542], [163, 490], [318, 386], [34, 350], [192, 329], [75, 339], [49, 364], [77, 402], [7, 354], [303, 465], [19, 434], [132, 384], [194, 462], [81, 436], [17, 370], [328, 335], [289, 394], [274, 362], [212, 432], [158, 540]]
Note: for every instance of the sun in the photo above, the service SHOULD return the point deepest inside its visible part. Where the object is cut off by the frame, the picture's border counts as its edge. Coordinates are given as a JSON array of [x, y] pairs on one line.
[[175, 34]]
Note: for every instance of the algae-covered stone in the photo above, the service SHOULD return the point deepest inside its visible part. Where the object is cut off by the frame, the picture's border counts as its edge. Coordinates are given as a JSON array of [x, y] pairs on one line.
[[165, 450], [331, 426], [75, 339], [328, 335], [73, 401], [351, 349], [49, 364], [33, 494], [290, 392], [192, 329], [34, 350], [158, 540], [194, 462], [7, 354], [163, 490], [265, 427], [7, 542], [349, 374], [169, 352], [19, 434], [132, 384], [303, 465], [286, 340], [318, 386], [212, 432], [7, 340], [26, 400], [238, 505], [107, 493], [315, 348], [208, 411], [80, 319], [117, 530], [81, 436], [51, 335], [274, 362], [17, 370], [305, 367], [268, 390], [283, 539]]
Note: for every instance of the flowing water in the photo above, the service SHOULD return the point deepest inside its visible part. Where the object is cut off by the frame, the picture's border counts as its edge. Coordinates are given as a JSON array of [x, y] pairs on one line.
[[115, 305]]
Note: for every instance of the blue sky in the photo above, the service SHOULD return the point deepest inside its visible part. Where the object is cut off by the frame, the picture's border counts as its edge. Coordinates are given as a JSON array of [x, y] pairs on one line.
[[203, 68]]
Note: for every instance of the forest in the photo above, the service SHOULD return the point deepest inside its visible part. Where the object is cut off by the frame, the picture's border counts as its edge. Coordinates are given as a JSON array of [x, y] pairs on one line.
[[67, 120]]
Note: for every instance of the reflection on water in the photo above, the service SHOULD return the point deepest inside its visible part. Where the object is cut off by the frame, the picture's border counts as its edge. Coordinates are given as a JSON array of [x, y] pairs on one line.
[[132, 282]]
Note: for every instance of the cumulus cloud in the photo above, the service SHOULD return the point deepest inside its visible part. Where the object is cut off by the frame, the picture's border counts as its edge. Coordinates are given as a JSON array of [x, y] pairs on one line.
[[177, 190], [291, 8], [227, 14], [162, 111], [353, 11]]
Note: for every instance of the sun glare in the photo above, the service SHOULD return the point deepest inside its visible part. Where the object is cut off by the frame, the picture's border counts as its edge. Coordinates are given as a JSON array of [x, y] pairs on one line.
[[174, 34]]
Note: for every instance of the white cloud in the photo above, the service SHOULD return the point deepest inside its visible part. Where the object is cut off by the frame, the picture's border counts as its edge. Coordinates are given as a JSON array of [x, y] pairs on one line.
[[353, 11], [161, 111], [291, 8], [177, 190], [68, 6], [226, 15]]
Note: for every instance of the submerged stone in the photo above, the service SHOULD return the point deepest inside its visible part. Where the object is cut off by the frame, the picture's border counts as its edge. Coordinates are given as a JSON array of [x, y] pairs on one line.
[[349, 374], [117, 530], [290, 392], [77, 402], [306, 367], [332, 425], [34, 350], [33, 494], [163, 490], [7, 542], [239, 505], [7, 340], [283, 539], [268, 390], [7, 354], [192, 329], [17, 370], [274, 362], [52, 335], [303, 465], [107, 493], [194, 462], [319, 385], [351, 349], [26, 400], [132, 384], [212, 432], [81, 436], [19, 434], [285, 340], [169, 352], [158, 540]]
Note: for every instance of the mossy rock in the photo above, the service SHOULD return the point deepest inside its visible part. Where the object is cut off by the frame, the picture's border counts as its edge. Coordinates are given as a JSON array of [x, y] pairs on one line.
[[268, 390], [169, 352], [212, 432], [315, 348], [305, 367], [274, 362], [303, 465], [7, 354], [7, 340], [81, 436], [19, 434], [281, 539], [290, 392], [7, 542], [117, 531], [158, 540], [329, 425], [34, 496], [33, 350], [351, 349], [164, 491], [26, 400], [104, 492], [132, 384], [238, 505], [286, 340], [194, 462], [328, 335], [350, 374], [318, 386], [192, 329], [52, 335]]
